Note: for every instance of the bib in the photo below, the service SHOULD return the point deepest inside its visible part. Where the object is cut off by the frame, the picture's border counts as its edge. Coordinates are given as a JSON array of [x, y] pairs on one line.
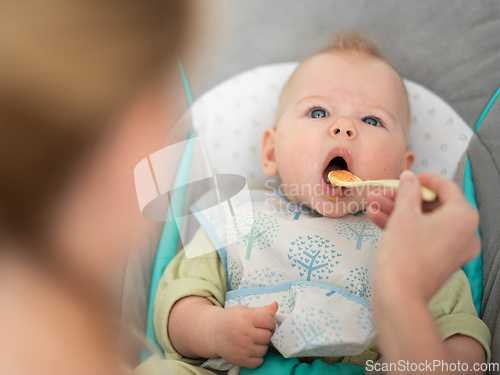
[[318, 269]]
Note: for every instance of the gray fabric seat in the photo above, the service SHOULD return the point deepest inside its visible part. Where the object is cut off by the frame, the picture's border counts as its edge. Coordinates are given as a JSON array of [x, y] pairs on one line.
[[484, 155]]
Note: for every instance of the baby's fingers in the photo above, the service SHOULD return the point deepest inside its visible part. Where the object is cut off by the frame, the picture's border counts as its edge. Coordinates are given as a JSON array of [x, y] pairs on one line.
[[263, 336], [263, 320], [259, 350], [255, 356], [263, 316], [253, 362], [270, 309]]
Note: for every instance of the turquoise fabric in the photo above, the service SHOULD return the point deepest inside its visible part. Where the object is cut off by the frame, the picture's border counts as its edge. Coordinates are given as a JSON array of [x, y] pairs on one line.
[[277, 365], [487, 109], [169, 240], [474, 268]]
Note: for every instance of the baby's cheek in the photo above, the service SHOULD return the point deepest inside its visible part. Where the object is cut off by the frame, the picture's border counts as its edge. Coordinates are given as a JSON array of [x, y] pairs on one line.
[[292, 156], [385, 162]]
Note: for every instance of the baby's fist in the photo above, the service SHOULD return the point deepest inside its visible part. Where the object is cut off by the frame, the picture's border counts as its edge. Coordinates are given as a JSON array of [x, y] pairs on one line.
[[241, 334]]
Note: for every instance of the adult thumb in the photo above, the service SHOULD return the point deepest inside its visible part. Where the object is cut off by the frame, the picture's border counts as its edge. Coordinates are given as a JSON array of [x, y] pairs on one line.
[[270, 309], [409, 196]]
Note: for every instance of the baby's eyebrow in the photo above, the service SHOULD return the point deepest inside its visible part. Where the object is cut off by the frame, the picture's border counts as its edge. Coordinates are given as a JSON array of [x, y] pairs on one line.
[[387, 112], [310, 98]]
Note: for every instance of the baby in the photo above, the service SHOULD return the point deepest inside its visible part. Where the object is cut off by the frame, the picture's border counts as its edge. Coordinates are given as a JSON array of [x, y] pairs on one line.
[[345, 108]]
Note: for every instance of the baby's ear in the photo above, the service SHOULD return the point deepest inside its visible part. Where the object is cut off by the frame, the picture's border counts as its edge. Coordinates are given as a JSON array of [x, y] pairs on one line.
[[269, 166], [408, 160]]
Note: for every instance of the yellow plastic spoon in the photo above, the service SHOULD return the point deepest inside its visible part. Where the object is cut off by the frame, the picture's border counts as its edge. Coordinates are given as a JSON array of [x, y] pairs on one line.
[[347, 179]]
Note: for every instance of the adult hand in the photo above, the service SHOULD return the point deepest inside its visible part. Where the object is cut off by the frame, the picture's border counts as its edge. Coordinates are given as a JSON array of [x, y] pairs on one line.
[[241, 334], [422, 245]]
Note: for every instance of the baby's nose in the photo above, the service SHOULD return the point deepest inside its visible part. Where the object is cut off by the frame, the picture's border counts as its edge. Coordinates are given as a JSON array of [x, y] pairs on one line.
[[343, 127]]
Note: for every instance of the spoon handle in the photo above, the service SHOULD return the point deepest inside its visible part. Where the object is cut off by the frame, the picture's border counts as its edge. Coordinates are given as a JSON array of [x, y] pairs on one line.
[[427, 194]]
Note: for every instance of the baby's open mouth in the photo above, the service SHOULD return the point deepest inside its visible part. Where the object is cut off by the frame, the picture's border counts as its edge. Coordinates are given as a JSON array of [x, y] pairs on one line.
[[341, 160], [334, 165]]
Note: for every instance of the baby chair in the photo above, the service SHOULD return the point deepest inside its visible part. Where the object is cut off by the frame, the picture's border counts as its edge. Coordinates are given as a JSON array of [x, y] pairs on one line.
[[438, 134]]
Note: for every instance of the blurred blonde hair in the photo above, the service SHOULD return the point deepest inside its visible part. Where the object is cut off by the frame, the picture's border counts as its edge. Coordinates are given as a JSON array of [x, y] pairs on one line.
[[69, 66]]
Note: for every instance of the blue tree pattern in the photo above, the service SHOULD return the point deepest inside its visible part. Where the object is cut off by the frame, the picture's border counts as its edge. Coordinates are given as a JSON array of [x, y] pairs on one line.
[[320, 330], [222, 222], [314, 257], [358, 283], [233, 273], [244, 300], [263, 277], [292, 209], [314, 328], [359, 230], [263, 230], [287, 302], [365, 319]]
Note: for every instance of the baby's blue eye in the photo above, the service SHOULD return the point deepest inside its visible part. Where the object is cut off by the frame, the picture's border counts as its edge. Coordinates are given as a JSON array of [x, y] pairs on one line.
[[372, 121], [318, 113]]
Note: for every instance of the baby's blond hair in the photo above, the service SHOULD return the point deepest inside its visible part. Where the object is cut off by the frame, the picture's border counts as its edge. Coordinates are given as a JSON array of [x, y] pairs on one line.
[[353, 42]]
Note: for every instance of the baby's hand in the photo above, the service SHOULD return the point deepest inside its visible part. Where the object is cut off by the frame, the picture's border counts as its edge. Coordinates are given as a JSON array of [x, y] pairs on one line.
[[241, 334]]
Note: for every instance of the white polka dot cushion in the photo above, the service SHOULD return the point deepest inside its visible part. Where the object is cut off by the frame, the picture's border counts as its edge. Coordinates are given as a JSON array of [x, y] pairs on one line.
[[233, 115]]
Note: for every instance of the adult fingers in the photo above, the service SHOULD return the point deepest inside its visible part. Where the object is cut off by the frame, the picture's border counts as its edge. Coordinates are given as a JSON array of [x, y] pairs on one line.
[[381, 203], [409, 196], [380, 208], [475, 246], [379, 218], [445, 189], [430, 206], [385, 191], [452, 202]]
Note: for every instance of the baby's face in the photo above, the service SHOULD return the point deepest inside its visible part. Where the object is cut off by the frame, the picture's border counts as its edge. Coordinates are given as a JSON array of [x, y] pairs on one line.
[[342, 110]]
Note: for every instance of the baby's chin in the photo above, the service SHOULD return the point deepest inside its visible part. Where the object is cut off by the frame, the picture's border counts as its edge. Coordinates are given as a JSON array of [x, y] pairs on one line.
[[335, 208]]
